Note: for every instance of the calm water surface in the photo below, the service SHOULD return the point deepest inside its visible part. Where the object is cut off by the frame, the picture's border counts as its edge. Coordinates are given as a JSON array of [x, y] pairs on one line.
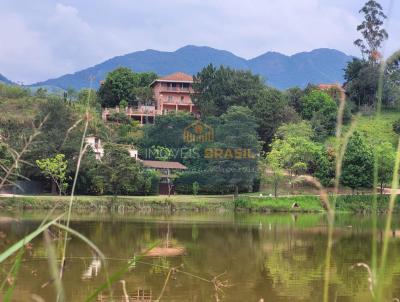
[[270, 257]]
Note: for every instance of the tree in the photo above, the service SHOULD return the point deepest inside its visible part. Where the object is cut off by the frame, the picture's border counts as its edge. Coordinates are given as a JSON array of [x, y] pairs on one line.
[[300, 129], [123, 84], [161, 153], [121, 174], [298, 155], [87, 97], [275, 163], [294, 96], [371, 30], [315, 101], [55, 168], [232, 158], [168, 131], [357, 165], [41, 92], [218, 89], [361, 82], [385, 157], [61, 118], [271, 110], [6, 161], [325, 169], [321, 109]]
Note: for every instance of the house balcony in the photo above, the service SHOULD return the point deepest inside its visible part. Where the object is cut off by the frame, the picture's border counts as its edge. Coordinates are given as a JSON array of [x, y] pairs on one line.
[[140, 110], [176, 89]]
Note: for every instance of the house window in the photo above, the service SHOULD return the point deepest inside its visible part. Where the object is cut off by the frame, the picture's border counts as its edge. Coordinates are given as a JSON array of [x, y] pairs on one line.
[[182, 99], [185, 85], [170, 98]]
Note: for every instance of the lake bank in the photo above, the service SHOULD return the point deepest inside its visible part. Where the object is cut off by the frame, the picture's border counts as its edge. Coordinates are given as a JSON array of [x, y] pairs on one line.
[[298, 203]]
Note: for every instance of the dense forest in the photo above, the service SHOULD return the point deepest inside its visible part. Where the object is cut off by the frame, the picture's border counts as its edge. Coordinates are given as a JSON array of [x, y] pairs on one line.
[[285, 133]]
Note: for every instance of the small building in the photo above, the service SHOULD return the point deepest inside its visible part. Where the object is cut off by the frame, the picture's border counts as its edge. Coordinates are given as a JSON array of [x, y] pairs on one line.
[[94, 143], [336, 91], [174, 93], [167, 170]]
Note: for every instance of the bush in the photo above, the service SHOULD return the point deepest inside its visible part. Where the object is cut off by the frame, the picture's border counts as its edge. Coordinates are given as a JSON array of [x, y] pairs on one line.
[[13, 91], [195, 188], [396, 126]]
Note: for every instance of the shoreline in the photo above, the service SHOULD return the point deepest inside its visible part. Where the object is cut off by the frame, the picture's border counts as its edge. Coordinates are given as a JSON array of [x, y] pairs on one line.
[[285, 204]]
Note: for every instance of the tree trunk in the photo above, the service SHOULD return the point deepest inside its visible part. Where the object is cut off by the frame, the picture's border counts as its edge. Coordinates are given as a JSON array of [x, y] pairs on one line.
[[53, 188], [236, 190], [276, 189]]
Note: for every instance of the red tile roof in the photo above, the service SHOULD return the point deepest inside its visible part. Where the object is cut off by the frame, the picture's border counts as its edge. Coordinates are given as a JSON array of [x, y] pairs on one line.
[[163, 164], [176, 77], [329, 86]]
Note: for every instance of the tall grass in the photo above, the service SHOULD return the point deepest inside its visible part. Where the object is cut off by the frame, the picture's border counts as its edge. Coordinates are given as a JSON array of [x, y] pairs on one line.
[[379, 273]]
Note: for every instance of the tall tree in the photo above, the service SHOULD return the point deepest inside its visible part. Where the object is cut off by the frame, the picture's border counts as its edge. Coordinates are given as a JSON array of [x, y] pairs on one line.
[[271, 109], [233, 156], [321, 109], [371, 30], [217, 89], [357, 171], [122, 84], [298, 155], [121, 173], [385, 157]]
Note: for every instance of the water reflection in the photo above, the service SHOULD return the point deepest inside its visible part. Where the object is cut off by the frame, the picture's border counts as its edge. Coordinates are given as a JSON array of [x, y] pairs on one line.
[[93, 269], [261, 257]]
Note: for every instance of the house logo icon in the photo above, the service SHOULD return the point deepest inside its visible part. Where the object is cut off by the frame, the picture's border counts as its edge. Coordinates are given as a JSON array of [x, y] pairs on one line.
[[198, 132]]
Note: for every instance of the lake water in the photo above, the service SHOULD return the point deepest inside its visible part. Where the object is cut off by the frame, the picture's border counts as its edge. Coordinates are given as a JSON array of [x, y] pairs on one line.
[[247, 257]]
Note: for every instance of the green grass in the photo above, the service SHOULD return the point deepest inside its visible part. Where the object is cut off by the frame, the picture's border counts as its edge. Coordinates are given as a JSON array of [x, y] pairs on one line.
[[280, 204], [21, 110], [307, 203], [161, 202], [379, 130]]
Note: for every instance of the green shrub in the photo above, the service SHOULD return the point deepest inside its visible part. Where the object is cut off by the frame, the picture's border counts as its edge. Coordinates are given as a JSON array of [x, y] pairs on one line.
[[396, 126], [195, 188]]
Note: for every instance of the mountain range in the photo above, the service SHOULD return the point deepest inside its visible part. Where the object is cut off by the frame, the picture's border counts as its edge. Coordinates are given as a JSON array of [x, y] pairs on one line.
[[3, 79], [281, 71]]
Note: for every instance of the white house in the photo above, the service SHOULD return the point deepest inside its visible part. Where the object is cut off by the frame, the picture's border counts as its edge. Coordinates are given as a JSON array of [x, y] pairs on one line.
[[95, 144]]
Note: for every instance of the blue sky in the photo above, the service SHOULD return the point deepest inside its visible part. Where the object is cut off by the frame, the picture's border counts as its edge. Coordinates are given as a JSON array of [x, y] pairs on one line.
[[42, 39]]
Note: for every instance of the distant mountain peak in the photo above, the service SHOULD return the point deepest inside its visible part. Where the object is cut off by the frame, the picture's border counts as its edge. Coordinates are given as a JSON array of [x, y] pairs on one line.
[[317, 66], [3, 79]]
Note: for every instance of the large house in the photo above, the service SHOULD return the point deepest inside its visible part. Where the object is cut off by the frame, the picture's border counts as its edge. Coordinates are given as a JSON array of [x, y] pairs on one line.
[[174, 93], [171, 93]]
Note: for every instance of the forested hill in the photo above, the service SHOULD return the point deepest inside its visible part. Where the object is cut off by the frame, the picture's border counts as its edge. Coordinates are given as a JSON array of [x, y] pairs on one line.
[[3, 79], [318, 66]]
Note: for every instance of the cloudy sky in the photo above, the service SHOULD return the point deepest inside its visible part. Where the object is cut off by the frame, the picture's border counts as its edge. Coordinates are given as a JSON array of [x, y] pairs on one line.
[[41, 39]]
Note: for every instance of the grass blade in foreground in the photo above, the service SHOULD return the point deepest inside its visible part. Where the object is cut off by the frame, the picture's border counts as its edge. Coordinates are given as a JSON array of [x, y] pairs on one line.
[[13, 273], [20, 244], [52, 260]]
